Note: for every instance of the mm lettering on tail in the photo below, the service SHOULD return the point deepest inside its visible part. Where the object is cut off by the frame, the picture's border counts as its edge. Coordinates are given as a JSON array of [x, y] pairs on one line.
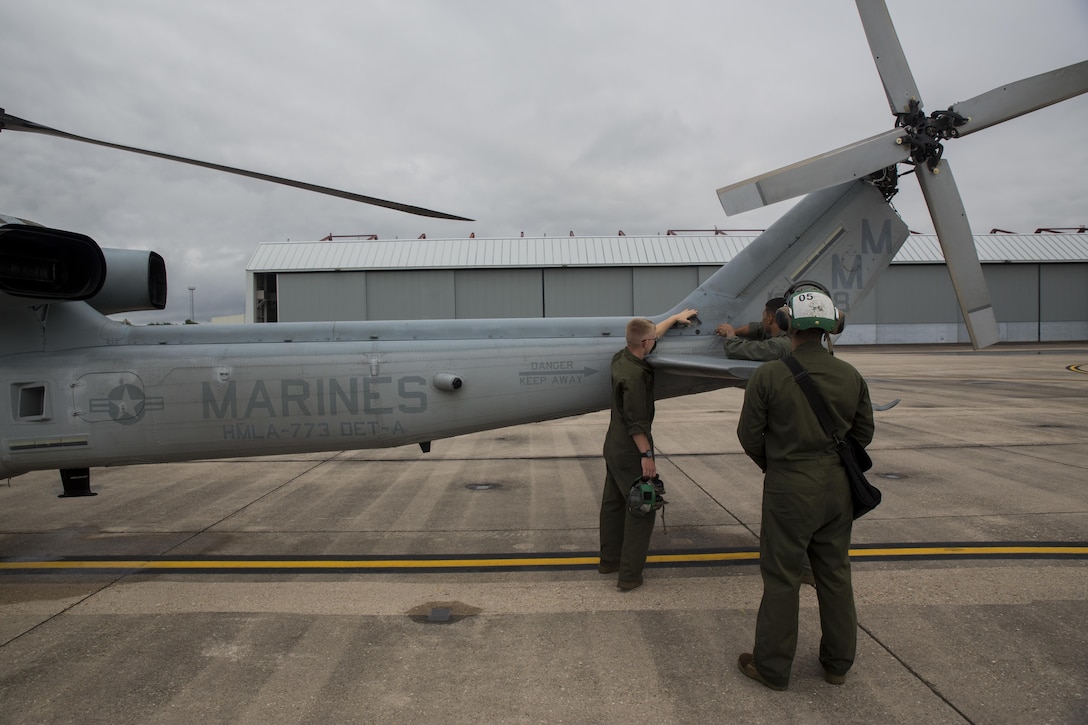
[[850, 270]]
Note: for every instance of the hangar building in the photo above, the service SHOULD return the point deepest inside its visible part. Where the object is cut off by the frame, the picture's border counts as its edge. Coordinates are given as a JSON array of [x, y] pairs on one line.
[[1038, 282]]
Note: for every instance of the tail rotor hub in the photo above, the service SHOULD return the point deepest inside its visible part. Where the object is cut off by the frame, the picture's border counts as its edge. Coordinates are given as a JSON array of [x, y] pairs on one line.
[[925, 133]]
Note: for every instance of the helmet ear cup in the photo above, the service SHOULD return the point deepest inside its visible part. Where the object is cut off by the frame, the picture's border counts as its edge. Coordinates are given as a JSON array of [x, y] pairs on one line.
[[840, 324], [782, 318]]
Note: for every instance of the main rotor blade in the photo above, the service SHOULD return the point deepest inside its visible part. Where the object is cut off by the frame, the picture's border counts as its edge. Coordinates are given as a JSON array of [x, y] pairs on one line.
[[1024, 96], [12, 123], [819, 172], [958, 244], [891, 61]]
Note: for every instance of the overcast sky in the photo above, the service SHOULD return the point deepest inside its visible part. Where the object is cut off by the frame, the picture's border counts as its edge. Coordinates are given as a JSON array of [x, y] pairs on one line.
[[535, 117]]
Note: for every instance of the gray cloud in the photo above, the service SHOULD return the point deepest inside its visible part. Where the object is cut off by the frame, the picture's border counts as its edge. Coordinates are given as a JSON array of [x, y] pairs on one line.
[[542, 117]]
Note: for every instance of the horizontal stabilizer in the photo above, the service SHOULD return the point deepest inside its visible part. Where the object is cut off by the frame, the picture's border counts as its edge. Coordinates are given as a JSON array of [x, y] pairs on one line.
[[702, 366]]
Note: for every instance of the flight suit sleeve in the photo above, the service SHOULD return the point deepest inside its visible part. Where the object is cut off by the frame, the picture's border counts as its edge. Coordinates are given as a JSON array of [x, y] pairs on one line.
[[752, 424], [738, 348], [636, 408], [864, 425], [755, 331]]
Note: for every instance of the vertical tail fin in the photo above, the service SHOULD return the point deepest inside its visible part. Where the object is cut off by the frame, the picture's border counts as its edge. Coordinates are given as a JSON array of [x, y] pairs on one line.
[[842, 237]]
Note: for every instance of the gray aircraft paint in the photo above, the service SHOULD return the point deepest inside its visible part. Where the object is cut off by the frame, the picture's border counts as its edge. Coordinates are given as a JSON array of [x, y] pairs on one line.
[[114, 394]]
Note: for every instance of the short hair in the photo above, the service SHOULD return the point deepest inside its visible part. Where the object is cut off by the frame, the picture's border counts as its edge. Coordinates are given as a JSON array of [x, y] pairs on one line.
[[774, 304], [637, 329]]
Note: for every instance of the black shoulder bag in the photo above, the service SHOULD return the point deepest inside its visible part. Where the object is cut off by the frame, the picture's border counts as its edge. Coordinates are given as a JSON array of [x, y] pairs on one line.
[[855, 460]]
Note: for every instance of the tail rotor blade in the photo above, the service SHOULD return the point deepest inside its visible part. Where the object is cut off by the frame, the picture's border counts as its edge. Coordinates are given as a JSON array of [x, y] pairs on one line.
[[12, 123], [958, 244], [819, 172], [1024, 96], [919, 139], [891, 61]]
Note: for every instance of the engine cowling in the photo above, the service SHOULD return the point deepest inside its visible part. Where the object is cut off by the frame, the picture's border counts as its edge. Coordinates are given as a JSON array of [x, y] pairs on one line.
[[136, 281], [40, 263], [49, 264]]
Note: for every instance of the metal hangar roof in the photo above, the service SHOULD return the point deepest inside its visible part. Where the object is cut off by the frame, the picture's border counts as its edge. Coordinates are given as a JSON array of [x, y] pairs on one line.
[[655, 250]]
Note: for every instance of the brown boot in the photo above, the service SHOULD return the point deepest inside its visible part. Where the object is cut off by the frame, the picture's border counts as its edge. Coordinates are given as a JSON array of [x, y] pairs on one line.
[[746, 663]]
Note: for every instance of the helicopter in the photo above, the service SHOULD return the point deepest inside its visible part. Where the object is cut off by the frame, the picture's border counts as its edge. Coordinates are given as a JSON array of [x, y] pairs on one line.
[[81, 390]]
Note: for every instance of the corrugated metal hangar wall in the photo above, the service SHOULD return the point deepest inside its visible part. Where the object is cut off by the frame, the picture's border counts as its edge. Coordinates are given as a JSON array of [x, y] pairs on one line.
[[471, 293], [1037, 282]]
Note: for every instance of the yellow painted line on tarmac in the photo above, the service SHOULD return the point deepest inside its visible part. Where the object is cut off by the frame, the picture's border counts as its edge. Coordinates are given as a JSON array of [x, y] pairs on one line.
[[707, 558], [1056, 550], [982, 550], [302, 563]]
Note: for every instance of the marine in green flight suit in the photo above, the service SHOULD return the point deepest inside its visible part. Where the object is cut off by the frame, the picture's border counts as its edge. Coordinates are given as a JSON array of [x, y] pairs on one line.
[[625, 539], [763, 340], [629, 451], [807, 509]]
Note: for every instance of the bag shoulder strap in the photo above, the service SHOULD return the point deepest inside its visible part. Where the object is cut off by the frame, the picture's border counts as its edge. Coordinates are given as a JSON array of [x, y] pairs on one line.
[[809, 388]]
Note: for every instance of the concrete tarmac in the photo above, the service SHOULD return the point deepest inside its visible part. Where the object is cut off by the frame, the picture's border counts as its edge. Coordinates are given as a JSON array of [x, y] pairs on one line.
[[460, 586]]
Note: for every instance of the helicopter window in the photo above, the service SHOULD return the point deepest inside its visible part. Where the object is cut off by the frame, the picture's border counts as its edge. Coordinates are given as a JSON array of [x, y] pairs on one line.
[[31, 400]]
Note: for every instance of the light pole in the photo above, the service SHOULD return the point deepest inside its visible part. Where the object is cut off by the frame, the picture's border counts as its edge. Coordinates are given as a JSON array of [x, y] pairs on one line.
[[192, 312]]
